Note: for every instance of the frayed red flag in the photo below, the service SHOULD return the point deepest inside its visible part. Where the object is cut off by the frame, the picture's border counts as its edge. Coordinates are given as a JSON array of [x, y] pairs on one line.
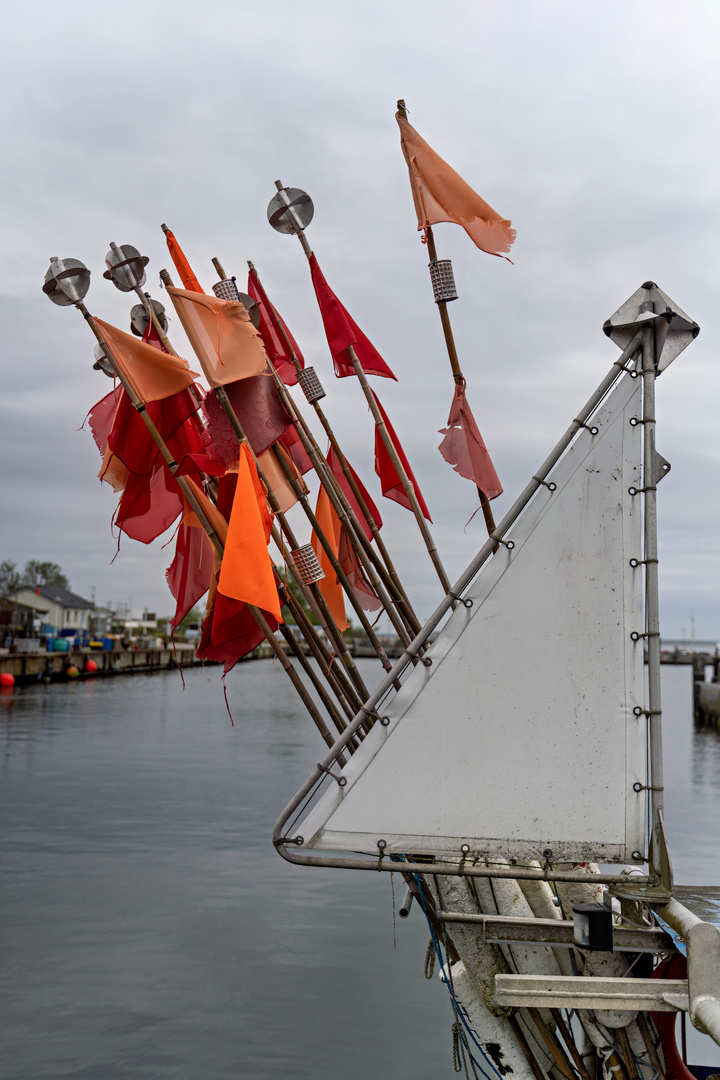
[[189, 574], [273, 332], [342, 332], [390, 482], [464, 449], [334, 462], [293, 444]]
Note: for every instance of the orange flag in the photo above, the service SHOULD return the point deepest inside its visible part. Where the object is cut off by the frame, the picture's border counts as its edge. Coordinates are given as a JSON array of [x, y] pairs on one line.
[[225, 341], [153, 374], [247, 573], [181, 264], [440, 194], [330, 587], [277, 480], [211, 512]]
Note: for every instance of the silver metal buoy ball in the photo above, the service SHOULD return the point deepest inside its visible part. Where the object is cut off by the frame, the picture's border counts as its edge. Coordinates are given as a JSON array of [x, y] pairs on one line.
[[67, 281]]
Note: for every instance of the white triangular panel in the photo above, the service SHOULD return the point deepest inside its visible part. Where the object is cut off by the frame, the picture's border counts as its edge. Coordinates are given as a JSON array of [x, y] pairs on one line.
[[521, 735]]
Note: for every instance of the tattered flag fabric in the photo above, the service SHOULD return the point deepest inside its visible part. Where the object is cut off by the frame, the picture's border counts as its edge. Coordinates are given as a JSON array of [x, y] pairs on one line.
[[334, 462], [276, 480], [440, 194], [230, 632], [153, 374], [101, 417], [342, 332], [293, 444], [279, 343], [188, 575], [259, 410], [464, 449], [247, 573], [149, 505], [390, 482], [353, 570], [181, 264], [130, 440], [224, 340], [330, 587]]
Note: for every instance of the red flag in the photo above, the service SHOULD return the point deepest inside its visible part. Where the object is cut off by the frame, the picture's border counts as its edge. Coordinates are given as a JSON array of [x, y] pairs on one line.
[[464, 449], [188, 576], [334, 463], [182, 265], [149, 505], [272, 330], [101, 418], [130, 440], [353, 570], [390, 482], [293, 444], [230, 632], [261, 413], [341, 332]]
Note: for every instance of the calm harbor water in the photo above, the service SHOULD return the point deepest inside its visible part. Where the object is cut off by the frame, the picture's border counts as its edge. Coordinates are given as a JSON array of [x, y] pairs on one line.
[[149, 929]]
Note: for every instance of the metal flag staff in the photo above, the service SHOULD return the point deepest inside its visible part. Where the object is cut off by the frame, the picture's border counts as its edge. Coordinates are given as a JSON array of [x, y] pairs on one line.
[[290, 212]]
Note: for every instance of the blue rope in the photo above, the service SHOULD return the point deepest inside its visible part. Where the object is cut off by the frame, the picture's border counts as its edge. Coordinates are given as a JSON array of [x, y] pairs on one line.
[[456, 1010]]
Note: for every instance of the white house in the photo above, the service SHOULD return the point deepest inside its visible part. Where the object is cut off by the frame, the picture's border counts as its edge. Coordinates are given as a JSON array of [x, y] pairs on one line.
[[62, 609]]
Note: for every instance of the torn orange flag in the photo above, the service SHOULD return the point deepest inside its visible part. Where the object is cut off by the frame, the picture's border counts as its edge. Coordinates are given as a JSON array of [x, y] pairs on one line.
[[330, 587], [246, 572], [440, 194], [153, 375], [225, 341], [181, 264], [276, 479]]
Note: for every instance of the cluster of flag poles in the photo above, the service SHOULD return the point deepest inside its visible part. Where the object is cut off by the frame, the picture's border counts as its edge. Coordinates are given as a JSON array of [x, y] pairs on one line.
[[229, 462]]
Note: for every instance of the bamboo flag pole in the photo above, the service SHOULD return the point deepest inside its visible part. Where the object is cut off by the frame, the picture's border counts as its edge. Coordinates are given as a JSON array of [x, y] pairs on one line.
[[407, 485], [387, 572], [329, 623], [450, 343], [195, 505]]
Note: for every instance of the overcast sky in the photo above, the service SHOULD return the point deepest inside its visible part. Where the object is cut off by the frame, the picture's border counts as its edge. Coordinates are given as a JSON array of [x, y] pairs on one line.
[[593, 126]]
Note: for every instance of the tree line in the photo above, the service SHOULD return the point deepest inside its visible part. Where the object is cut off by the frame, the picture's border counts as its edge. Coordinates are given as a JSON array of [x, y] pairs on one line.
[[31, 576]]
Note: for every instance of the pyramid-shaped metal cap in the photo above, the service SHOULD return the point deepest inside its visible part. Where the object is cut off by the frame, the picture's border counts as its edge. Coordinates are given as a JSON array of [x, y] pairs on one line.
[[674, 330]]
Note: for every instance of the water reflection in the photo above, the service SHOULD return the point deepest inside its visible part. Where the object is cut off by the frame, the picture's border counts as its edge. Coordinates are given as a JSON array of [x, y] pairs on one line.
[[150, 929]]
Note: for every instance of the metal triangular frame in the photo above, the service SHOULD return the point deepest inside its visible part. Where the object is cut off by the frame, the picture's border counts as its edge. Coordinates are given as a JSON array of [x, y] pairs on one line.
[[289, 844]]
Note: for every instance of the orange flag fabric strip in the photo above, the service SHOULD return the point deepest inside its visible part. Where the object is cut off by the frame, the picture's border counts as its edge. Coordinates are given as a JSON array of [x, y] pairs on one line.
[[222, 336], [181, 264], [440, 194], [247, 573], [330, 587], [153, 375]]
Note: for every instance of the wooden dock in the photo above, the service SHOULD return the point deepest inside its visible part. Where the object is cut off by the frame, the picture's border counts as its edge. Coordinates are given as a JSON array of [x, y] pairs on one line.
[[36, 666]]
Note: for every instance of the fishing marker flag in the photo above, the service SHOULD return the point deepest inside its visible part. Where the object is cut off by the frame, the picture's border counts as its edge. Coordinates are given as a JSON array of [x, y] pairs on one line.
[[153, 375], [181, 264], [342, 332], [464, 449], [222, 336], [279, 343], [440, 194], [390, 482], [246, 572]]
